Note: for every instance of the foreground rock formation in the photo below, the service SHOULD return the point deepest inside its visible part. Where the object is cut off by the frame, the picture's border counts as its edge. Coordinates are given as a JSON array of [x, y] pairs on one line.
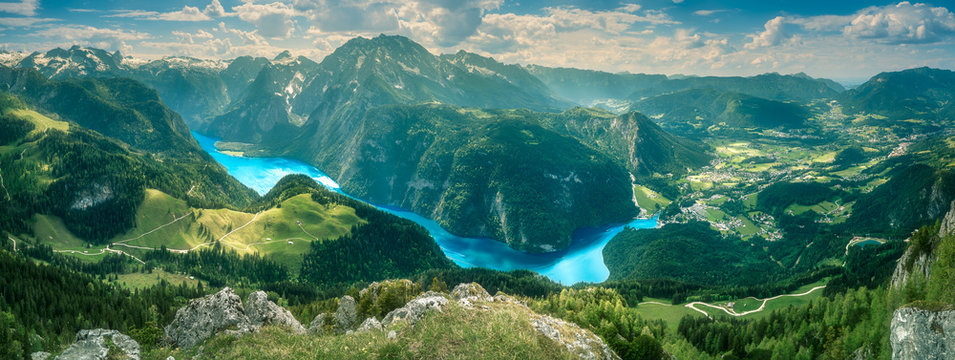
[[920, 334], [224, 312], [95, 345]]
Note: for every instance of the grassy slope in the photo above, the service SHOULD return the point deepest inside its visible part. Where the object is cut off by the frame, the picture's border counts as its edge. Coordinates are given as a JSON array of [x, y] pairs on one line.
[[503, 332], [269, 232], [672, 314], [139, 280]]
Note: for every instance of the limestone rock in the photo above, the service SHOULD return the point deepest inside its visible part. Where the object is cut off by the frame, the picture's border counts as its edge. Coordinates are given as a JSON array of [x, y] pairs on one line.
[[261, 312], [392, 335], [947, 226], [468, 293], [205, 317], [579, 341], [922, 334], [92, 345], [376, 288], [347, 314], [416, 308], [317, 326], [369, 324], [40, 355], [922, 263]]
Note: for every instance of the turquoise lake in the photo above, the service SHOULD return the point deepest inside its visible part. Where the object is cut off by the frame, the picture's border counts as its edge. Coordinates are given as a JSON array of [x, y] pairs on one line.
[[582, 261]]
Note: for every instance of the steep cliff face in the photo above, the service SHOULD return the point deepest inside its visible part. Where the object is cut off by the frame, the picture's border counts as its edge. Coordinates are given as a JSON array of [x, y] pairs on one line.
[[922, 334], [918, 262], [488, 175]]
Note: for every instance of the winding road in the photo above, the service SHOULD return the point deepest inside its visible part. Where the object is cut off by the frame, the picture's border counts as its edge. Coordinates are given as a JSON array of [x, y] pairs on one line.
[[732, 312], [4, 187]]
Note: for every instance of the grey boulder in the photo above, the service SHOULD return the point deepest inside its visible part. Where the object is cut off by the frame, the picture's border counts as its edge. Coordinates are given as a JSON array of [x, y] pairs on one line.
[[205, 317], [261, 312], [92, 345]]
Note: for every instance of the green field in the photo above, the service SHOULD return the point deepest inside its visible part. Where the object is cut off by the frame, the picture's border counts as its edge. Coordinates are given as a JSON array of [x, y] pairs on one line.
[[671, 314], [144, 280], [42, 122], [284, 232], [649, 200]]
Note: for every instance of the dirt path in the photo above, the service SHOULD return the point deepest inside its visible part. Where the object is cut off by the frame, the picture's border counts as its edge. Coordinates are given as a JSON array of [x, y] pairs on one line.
[[249, 245], [299, 223], [732, 312], [224, 236], [240, 227], [14, 242], [101, 252], [154, 230], [654, 303], [4, 187]]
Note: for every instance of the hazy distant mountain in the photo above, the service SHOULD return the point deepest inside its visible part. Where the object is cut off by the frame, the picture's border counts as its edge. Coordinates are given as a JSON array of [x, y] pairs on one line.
[[75, 61], [194, 88], [364, 73], [587, 86], [771, 86], [921, 92], [264, 110], [636, 141], [694, 111]]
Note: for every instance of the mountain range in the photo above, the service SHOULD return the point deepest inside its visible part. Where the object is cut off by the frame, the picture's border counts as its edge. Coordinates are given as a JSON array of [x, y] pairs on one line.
[[362, 108], [766, 191]]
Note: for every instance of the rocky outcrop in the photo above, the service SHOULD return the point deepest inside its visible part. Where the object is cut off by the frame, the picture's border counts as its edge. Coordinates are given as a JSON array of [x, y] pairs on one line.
[[40, 355], [205, 317], [96, 345], [261, 312], [317, 326], [347, 314], [579, 341], [376, 289], [471, 292], [224, 312], [922, 334], [369, 324], [919, 264], [947, 226], [416, 308], [912, 263]]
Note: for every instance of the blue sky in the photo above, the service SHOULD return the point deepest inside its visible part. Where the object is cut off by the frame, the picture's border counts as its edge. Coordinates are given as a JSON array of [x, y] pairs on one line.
[[845, 40]]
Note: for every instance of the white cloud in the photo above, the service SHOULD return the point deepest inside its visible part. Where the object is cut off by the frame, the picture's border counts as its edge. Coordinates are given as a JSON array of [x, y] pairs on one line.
[[630, 8], [191, 38], [24, 7], [24, 21], [273, 20], [215, 9], [132, 14], [443, 22], [903, 23], [823, 23], [188, 13], [774, 33], [83, 32], [708, 12]]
